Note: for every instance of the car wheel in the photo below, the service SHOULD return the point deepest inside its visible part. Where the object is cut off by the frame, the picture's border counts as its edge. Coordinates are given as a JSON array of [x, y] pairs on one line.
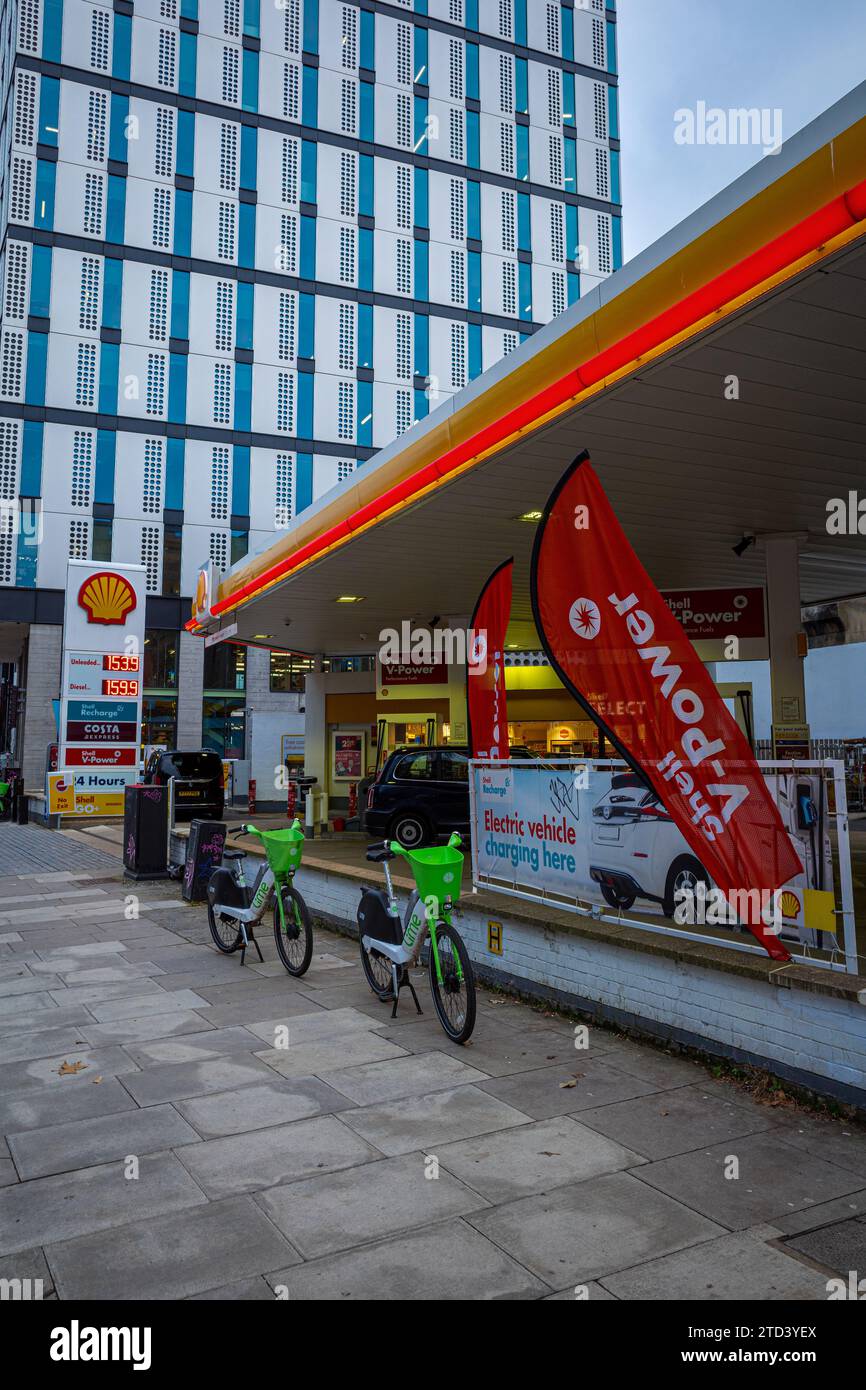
[[685, 873], [410, 830], [616, 899]]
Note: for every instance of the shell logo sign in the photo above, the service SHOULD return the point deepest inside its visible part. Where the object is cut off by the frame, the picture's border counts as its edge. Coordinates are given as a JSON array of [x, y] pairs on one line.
[[107, 598]]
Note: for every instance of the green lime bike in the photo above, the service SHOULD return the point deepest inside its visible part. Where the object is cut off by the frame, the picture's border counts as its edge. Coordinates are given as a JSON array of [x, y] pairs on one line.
[[236, 906], [390, 946]]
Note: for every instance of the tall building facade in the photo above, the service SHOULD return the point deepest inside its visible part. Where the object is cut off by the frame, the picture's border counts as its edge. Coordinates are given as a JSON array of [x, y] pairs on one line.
[[246, 243]]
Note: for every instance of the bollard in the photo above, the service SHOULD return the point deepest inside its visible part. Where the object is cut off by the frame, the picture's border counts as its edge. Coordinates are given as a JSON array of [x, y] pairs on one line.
[[309, 814], [251, 797], [353, 800]]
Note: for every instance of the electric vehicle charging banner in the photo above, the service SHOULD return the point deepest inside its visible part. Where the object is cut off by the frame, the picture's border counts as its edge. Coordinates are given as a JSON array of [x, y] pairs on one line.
[[618, 648], [485, 671]]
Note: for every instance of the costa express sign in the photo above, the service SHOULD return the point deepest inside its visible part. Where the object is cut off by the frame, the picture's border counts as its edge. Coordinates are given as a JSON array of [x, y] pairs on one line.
[[107, 598]]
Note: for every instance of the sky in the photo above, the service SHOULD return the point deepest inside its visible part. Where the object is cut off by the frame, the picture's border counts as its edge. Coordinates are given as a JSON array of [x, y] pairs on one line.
[[795, 56]]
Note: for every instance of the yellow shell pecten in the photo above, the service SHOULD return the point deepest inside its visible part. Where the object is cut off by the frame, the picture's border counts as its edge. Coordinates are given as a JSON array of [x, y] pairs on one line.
[[107, 597]]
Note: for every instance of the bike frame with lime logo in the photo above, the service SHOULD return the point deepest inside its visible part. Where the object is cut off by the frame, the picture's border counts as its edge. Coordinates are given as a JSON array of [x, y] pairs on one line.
[[283, 852], [437, 874]]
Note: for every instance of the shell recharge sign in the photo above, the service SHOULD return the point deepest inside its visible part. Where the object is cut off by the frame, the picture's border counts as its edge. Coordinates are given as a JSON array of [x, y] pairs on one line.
[[101, 693]]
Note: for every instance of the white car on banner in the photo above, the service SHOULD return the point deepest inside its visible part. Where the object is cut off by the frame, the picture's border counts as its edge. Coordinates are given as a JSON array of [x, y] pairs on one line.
[[638, 852]]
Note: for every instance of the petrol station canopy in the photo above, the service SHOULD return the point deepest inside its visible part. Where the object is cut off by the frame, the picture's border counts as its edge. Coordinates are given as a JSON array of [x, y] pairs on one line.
[[766, 283]]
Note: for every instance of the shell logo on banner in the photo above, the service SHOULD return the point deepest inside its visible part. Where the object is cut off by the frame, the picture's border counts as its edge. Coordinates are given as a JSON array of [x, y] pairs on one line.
[[106, 598]]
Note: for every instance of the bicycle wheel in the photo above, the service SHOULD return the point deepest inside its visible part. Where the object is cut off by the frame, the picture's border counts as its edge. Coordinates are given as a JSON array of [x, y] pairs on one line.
[[224, 930], [377, 971], [455, 997], [295, 943]]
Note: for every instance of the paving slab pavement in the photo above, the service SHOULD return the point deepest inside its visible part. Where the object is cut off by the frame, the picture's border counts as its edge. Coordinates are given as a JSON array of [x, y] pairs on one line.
[[293, 1140]]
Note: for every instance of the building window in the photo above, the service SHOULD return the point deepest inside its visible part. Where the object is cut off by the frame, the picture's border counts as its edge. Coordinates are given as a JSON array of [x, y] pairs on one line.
[[346, 338], [94, 202], [150, 557], [219, 484], [291, 92], [285, 403], [99, 39], [81, 491], [458, 355], [226, 232], [404, 347], [345, 410], [288, 672], [154, 402], [85, 374], [289, 171], [163, 158], [97, 112], [509, 221], [224, 327], [161, 225], [157, 328], [347, 255], [458, 209], [286, 327], [151, 500], [88, 297], [167, 59], [284, 493], [100, 546], [222, 393]]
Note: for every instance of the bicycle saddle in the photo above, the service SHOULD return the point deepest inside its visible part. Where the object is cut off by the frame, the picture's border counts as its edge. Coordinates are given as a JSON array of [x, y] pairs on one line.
[[377, 854], [234, 854]]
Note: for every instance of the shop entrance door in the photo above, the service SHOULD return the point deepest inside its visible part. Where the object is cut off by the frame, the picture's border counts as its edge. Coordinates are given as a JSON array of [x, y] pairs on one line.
[[397, 730]]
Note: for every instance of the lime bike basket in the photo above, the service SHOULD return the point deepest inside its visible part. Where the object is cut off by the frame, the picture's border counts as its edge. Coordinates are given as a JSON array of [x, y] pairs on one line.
[[283, 848], [438, 872]]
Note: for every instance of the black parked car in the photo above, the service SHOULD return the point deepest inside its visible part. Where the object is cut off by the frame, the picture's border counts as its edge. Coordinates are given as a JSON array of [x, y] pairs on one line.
[[198, 780], [421, 795]]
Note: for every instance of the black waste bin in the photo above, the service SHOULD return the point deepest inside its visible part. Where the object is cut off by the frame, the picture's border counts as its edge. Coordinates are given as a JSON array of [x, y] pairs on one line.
[[204, 852], [145, 831]]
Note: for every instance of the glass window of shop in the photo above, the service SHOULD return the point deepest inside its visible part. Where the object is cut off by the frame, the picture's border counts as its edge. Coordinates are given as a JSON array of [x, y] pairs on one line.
[[225, 668], [289, 671], [159, 722], [159, 697], [223, 724]]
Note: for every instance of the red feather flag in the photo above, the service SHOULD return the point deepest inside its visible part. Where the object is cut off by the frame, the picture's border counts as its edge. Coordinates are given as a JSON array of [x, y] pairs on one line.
[[618, 648], [485, 675]]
